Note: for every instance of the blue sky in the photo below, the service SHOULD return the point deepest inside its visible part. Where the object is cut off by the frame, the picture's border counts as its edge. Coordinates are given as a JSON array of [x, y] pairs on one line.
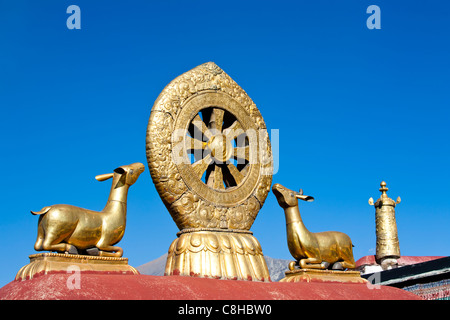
[[353, 107]]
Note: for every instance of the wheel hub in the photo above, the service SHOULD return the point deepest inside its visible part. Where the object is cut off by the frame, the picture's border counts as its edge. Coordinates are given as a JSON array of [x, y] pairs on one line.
[[221, 148]]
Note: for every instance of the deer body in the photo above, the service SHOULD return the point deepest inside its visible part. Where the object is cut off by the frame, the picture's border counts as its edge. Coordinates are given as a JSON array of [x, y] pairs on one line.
[[62, 226], [312, 250]]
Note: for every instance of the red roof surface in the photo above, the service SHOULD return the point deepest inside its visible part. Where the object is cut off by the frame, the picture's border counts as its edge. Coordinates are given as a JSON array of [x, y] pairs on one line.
[[120, 287], [403, 261]]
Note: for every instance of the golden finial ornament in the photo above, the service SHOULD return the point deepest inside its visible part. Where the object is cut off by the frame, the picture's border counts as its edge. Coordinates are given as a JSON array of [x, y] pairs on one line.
[[210, 159], [387, 247]]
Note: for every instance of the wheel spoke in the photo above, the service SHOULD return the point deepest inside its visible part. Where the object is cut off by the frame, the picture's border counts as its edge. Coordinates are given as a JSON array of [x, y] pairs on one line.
[[215, 179], [216, 120], [241, 153], [210, 176], [245, 169], [233, 131], [238, 177], [194, 144], [218, 178], [201, 165], [210, 160], [201, 126]]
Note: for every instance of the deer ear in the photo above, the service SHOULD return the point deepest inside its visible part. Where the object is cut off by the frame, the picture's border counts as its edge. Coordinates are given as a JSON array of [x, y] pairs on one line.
[[103, 177], [304, 198]]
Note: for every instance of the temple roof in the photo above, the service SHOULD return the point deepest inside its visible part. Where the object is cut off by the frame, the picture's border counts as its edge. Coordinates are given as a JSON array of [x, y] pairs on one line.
[[402, 261], [119, 287]]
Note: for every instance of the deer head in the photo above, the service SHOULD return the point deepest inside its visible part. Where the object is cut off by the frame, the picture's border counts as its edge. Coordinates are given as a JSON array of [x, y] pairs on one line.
[[127, 175], [289, 198]]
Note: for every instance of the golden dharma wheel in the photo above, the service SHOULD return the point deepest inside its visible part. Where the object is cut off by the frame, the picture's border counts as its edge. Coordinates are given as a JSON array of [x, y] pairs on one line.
[[210, 159], [208, 151]]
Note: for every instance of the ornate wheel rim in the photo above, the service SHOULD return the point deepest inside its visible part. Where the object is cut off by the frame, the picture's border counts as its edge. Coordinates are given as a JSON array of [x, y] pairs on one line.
[[239, 179], [208, 151]]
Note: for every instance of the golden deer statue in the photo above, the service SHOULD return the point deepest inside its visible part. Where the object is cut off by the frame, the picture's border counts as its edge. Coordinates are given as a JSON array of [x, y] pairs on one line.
[[320, 250], [67, 228]]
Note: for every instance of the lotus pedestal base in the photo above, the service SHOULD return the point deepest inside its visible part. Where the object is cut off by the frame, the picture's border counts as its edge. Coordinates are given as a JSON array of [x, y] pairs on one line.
[[217, 253]]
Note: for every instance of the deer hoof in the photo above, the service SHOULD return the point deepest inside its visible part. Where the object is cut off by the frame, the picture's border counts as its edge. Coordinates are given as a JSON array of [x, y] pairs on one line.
[[292, 265], [72, 250], [337, 266], [93, 251]]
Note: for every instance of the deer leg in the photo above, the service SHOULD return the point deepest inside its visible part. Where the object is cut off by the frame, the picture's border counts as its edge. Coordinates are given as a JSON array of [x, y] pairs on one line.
[[55, 236], [346, 260], [311, 263], [110, 251], [348, 265], [60, 247], [38, 246], [40, 237]]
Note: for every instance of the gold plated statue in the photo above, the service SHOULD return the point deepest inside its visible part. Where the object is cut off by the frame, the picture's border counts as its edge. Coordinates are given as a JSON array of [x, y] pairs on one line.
[[210, 159], [320, 256], [84, 239], [388, 247], [67, 228], [320, 250]]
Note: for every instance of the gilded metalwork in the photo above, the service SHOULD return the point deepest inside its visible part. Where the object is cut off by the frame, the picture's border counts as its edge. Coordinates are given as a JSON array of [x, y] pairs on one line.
[[388, 247], [317, 275], [217, 253], [210, 159], [320, 250], [205, 100], [66, 228], [45, 263]]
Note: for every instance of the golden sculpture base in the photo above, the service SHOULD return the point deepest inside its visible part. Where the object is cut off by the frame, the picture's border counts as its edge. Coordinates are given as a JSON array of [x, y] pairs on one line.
[[317, 275], [217, 253], [44, 263]]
